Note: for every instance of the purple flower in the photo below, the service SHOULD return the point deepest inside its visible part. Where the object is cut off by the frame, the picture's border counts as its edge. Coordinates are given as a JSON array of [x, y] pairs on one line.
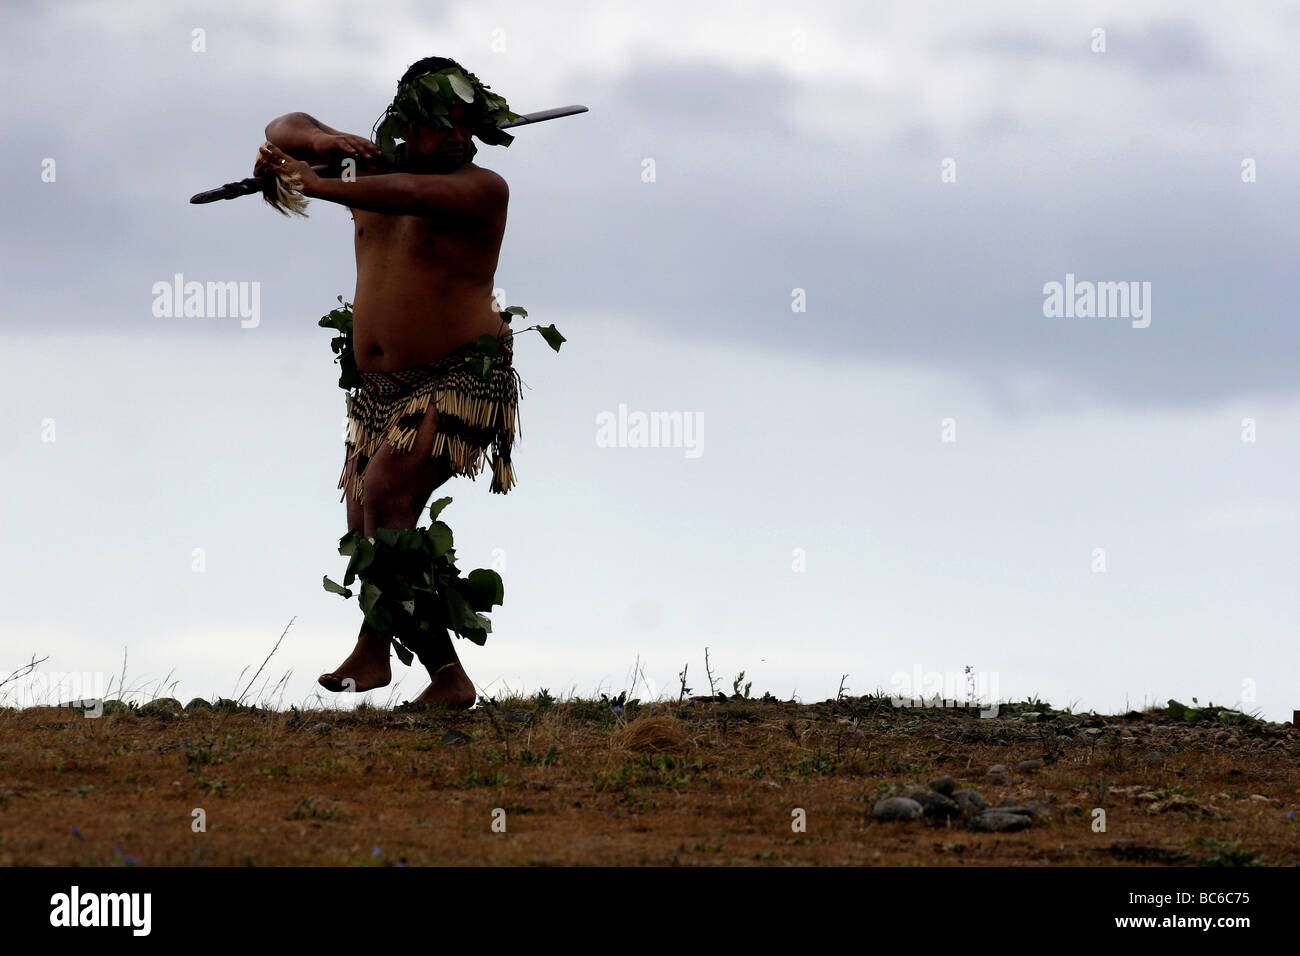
[[376, 852]]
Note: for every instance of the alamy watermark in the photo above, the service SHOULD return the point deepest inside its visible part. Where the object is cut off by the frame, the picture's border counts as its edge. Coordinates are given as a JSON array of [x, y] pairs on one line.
[[968, 690], [626, 429], [1101, 300], [78, 690], [179, 299]]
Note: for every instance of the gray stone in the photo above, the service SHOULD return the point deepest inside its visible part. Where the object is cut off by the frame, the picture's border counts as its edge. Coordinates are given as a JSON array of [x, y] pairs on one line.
[[454, 738], [1030, 716], [1000, 821], [944, 785], [322, 728], [1028, 766], [933, 804], [909, 790], [999, 774], [198, 703], [969, 800], [936, 806], [896, 808], [163, 707], [1040, 811]]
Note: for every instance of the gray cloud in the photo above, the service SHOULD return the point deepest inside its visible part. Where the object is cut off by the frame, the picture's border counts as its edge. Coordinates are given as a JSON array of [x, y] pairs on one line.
[[748, 205]]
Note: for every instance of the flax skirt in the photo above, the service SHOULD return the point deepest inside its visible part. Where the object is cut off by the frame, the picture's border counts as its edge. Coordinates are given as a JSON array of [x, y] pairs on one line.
[[477, 418]]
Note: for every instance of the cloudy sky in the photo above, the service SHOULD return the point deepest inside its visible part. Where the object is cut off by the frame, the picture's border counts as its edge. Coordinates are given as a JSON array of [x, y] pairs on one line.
[[903, 466]]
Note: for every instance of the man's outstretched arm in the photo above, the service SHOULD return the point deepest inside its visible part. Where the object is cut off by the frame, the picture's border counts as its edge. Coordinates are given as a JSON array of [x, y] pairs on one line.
[[306, 137], [400, 194]]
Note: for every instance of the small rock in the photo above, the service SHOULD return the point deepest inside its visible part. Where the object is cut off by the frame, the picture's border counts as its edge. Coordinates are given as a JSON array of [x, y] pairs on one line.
[[321, 728], [1035, 811], [936, 806], [910, 790], [1094, 731], [1000, 821], [1040, 811], [944, 785], [198, 703], [163, 707], [454, 738], [1028, 766], [896, 808], [933, 804], [1031, 716], [969, 800], [116, 707], [999, 774]]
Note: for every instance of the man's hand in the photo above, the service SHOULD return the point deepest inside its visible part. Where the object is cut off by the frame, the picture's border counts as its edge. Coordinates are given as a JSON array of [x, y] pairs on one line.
[[273, 160], [335, 146]]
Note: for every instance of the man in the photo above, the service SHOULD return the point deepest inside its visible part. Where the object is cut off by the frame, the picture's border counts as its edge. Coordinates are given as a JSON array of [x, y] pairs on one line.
[[427, 242]]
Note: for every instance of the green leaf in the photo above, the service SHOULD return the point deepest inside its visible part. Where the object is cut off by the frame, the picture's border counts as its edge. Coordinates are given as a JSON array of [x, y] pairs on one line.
[[485, 589], [552, 336], [365, 554], [403, 653], [379, 621], [435, 509], [489, 343], [348, 543], [410, 539], [460, 86], [464, 620], [335, 588], [440, 535], [370, 594], [514, 310], [482, 364]]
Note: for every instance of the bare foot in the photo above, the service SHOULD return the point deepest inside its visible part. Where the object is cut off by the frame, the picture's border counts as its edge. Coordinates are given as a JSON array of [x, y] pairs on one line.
[[366, 668], [451, 688]]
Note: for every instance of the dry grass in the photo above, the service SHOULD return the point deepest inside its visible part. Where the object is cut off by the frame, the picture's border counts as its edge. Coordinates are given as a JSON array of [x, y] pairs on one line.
[[583, 783]]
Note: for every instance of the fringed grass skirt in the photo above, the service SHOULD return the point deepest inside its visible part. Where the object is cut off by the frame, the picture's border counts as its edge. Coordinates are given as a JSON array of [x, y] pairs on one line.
[[477, 418]]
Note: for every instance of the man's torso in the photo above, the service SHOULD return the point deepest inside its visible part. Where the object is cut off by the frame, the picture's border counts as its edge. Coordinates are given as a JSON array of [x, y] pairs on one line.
[[424, 284]]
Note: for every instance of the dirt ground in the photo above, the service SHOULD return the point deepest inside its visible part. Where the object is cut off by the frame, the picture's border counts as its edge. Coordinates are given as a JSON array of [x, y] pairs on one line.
[[705, 783]]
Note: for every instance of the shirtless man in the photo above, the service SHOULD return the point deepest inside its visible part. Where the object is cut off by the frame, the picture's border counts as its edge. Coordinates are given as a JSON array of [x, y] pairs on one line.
[[427, 243]]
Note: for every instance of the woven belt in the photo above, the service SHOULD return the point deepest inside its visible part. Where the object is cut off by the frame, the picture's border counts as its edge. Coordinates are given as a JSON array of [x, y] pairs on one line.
[[402, 381]]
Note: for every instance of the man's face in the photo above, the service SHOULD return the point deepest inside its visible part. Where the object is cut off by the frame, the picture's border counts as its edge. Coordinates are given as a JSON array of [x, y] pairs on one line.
[[439, 149]]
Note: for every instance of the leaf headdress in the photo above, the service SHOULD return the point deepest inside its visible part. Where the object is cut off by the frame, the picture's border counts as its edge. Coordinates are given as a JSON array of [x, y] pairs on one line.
[[428, 99]]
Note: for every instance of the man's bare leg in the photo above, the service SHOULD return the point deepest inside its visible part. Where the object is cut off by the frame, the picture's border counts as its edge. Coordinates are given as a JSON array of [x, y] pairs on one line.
[[398, 485], [449, 685], [367, 667]]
